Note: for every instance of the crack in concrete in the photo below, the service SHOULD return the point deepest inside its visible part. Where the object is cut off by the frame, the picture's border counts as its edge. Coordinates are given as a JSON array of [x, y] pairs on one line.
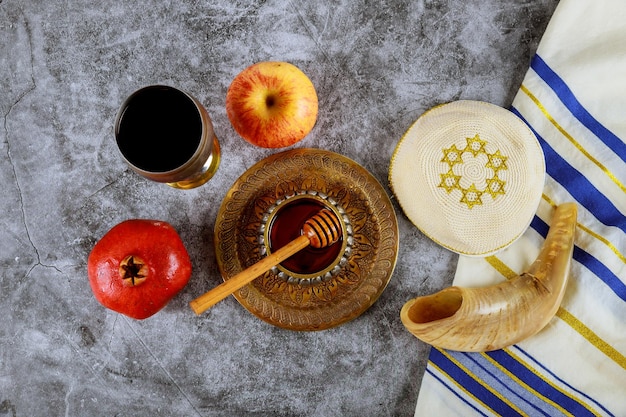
[[16, 102], [160, 365], [388, 123], [104, 187]]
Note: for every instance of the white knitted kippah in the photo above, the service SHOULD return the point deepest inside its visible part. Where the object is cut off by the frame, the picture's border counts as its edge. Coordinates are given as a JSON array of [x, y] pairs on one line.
[[469, 175]]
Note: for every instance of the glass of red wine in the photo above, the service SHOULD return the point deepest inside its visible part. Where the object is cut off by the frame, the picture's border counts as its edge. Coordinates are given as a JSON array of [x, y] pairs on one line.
[[166, 135]]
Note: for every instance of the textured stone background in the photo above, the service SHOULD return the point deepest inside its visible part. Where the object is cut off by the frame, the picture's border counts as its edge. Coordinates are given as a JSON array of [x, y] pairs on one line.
[[65, 69]]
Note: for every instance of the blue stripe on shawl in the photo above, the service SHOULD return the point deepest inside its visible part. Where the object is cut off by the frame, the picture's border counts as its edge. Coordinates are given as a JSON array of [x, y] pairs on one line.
[[589, 261], [556, 377], [472, 385], [570, 101], [459, 396], [577, 185], [482, 368], [529, 377]]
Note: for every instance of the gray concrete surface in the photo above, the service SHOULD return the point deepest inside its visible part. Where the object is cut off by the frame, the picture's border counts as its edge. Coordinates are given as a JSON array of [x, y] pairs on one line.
[[65, 69]]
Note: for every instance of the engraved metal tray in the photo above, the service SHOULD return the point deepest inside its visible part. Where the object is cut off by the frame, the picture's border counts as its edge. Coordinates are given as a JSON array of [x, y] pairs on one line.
[[321, 299]]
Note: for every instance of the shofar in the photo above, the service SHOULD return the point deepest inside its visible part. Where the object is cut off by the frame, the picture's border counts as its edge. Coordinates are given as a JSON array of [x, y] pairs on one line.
[[489, 318]]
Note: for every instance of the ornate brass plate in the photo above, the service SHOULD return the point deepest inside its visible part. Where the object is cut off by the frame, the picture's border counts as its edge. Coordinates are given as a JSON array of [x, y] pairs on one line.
[[352, 280]]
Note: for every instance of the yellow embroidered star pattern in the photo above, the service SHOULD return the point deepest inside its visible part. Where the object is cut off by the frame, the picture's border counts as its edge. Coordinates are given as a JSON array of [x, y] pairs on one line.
[[472, 196], [452, 156], [497, 161], [450, 181], [475, 145], [495, 186]]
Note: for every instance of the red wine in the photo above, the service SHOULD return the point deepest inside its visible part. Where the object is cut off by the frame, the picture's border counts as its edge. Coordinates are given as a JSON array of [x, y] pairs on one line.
[[287, 226], [159, 129]]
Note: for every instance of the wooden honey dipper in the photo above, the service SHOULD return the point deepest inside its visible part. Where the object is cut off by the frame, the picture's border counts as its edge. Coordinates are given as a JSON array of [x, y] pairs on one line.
[[320, 231]]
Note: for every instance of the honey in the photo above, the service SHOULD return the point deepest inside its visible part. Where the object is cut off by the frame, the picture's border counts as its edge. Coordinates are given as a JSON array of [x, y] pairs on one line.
[[287, 226]]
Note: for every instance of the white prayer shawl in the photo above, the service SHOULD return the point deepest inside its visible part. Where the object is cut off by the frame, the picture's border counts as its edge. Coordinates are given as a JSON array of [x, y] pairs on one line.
[[574, 99]]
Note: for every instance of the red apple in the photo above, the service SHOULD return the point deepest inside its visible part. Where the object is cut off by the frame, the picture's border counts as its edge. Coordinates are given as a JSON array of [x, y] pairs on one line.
[[272, 104]]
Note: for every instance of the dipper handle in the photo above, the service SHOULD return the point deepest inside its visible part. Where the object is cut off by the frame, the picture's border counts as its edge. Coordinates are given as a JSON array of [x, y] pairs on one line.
[[319, 231]]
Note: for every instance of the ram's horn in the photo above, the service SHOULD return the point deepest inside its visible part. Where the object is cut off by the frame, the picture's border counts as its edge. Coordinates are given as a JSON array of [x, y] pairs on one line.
[[489, 318]]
